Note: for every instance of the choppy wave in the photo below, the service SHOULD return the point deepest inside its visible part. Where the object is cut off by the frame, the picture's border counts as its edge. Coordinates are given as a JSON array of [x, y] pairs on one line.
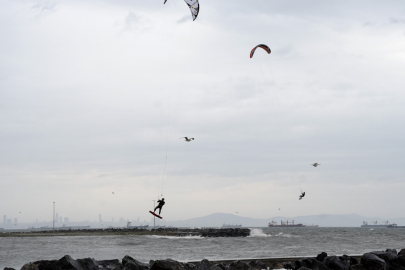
[[288, 235], [259, 233]]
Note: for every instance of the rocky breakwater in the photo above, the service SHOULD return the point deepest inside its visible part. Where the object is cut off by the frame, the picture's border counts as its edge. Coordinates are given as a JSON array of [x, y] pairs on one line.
[[376, 260], [238, 232], [129, 263]]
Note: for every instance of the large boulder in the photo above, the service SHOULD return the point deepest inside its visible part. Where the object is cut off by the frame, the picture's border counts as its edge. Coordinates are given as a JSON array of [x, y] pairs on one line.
[[322, 256], [204, 265], [353, 261], [67, 263], [238, 265], [395, 266], [401, 260], [189, 266], [392, 251], [40, 265], [88, 263], [371, 261], [358, 267], [401, 252], [167, 265], [288, 265], [386, 256], [257, 265], [311, 264], [218, 266], [28, 266], [337, 263], [130, 263], [8, 268], [276, 265], [110, 264]]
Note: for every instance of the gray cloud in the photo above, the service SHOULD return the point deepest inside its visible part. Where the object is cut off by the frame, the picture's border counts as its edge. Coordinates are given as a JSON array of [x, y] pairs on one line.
[[44, 8]]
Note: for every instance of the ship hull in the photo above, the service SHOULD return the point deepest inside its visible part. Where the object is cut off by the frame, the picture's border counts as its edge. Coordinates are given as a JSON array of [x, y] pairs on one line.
[[286, 226], [374, 226]]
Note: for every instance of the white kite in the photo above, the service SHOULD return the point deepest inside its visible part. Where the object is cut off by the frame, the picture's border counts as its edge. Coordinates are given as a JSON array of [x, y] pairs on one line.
[[194, 7]]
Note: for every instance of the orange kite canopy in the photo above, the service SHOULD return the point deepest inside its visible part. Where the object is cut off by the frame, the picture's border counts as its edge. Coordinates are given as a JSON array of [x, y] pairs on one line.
[[264, 47]]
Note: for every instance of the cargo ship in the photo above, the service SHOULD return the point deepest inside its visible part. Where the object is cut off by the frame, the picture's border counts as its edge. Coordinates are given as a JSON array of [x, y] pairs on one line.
[[393, 225], [376, 225], [274, 224]]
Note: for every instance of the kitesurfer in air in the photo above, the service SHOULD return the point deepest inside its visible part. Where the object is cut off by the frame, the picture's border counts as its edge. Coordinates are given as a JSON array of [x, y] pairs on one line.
[[160, 205], [302, 195]]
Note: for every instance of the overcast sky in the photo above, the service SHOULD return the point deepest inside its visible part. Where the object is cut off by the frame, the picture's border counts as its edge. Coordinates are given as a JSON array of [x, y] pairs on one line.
[[95, 94]]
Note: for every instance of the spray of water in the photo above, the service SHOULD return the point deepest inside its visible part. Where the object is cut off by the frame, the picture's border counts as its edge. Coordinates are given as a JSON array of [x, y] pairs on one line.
[[258, 233]]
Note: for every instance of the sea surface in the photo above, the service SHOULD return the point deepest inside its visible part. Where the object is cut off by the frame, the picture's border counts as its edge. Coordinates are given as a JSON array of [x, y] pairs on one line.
[[262, 243]]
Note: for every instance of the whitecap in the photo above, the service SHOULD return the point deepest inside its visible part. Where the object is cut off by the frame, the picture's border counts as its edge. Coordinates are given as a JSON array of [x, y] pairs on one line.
[[258, 233]]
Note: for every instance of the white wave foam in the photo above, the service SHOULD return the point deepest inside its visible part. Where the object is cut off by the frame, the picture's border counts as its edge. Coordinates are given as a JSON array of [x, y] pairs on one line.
[[258, 233], [288, 235], [175, 237]]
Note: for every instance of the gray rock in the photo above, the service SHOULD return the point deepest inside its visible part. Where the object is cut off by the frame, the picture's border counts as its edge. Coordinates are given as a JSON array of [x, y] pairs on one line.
[[67, 263], [110, 264], [353, 261], [150, 263], [394, 266], [288, 265], [401, 260], [311, 264], [204, 265], [28, 266], [322, 256], [257, 265], [130, 263], [386, 256], [337, 263], [8, 268], [238, 265], [348, 259], [392, 251], [189, 266], [167, 265], [88, 264], [401, 252], [218, 266], [276, 265], [215, 267], [358, 267], [40, 265], [371, 261]]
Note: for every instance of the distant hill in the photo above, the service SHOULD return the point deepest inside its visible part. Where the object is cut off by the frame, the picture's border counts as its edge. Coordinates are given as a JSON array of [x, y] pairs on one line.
[[218, 219]]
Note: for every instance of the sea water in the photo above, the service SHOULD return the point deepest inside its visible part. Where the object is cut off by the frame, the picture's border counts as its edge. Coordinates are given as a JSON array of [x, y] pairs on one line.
[[262, 243]]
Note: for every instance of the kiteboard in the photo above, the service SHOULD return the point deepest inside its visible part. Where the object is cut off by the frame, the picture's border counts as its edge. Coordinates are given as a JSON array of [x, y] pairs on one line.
[[156, 215]]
